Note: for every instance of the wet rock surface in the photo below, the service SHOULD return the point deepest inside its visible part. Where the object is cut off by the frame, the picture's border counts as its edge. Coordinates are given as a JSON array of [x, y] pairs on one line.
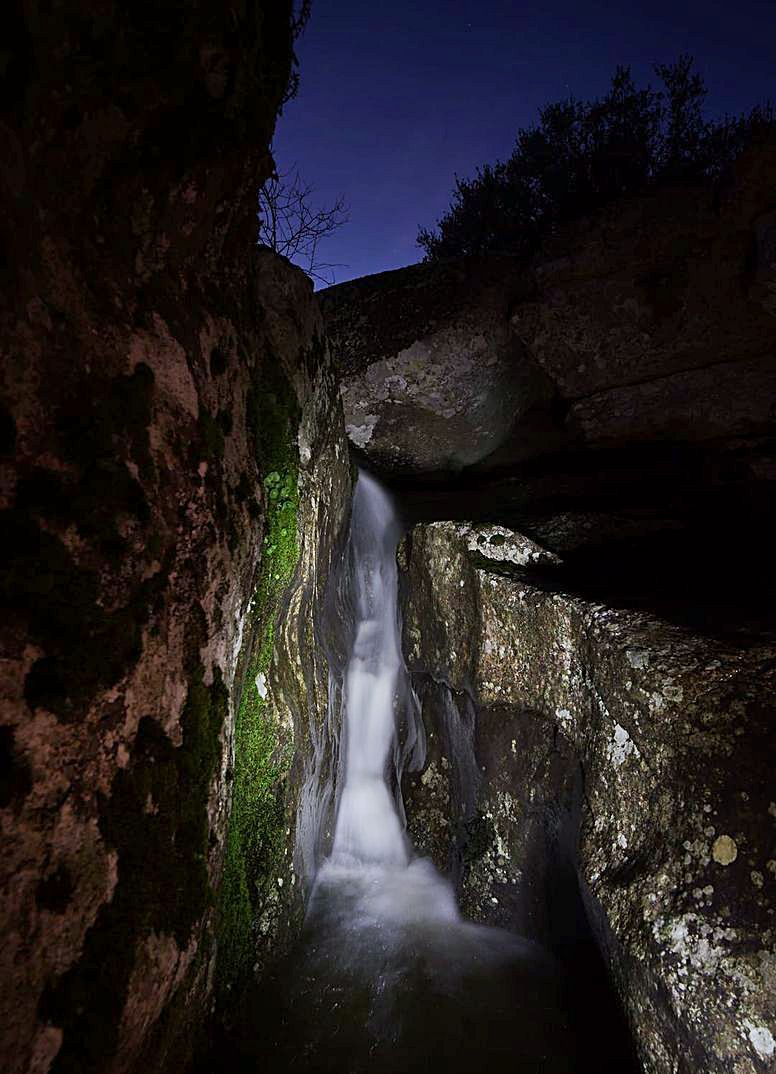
[[645, 743], [174, 486]]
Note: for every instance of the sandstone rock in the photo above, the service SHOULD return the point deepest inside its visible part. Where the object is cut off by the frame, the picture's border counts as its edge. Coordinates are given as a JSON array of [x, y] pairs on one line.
[[152, 363], [647, 745], [121, 686]]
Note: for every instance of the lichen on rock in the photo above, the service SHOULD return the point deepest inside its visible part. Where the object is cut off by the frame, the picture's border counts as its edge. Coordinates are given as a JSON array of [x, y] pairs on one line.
[[668, 734]]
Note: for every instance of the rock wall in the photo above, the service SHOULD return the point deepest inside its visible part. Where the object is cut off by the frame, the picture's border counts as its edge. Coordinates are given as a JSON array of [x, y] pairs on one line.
[[628, 371], [596, 704], [172, 480], [634, 750], [432, 375]]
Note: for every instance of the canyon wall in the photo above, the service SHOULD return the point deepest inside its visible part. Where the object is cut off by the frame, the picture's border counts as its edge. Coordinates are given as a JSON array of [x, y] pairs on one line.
[[592, 636], [174, 480], [567, 736]]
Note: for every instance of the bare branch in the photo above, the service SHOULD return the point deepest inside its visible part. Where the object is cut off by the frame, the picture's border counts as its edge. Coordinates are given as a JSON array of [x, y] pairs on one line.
[[301, 18], [292, 225]]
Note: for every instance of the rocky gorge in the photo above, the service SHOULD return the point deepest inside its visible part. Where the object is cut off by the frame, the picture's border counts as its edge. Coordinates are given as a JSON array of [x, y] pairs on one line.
[[582, 451], [592, 653]]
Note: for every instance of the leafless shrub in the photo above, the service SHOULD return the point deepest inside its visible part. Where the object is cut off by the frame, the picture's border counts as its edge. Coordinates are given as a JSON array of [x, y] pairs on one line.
[[293, 225]]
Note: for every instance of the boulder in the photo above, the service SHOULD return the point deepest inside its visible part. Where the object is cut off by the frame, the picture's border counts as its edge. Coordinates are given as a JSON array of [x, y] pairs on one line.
[[568, 734], [434, 378], [629, 370]]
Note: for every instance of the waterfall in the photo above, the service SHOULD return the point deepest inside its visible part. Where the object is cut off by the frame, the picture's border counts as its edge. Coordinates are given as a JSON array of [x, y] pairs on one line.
[[368, 828], [389, 976], [371, 854]]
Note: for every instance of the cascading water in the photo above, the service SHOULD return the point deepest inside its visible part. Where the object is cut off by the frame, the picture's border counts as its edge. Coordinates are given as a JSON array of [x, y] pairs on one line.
[[390, 977], [368, 828]]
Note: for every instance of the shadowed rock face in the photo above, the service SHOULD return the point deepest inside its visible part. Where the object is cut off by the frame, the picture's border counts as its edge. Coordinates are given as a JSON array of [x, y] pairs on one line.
[[607, 743], [433, 377], [635, 357], [597, 703], [153, 368]]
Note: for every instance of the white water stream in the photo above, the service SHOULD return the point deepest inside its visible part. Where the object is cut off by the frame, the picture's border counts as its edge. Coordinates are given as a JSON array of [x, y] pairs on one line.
[[371, 855], [368, 830], [392, 978]]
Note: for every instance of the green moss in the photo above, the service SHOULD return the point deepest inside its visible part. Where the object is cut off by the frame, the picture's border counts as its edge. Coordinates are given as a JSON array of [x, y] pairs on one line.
[[256, 826], [162, 882], [256, 833]]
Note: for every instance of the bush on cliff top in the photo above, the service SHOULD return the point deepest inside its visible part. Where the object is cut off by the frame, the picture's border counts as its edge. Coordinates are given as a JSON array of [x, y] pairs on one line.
[[583, 154]]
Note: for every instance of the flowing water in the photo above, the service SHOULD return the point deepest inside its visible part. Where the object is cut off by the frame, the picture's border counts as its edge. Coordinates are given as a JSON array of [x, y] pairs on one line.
[[389, 977]]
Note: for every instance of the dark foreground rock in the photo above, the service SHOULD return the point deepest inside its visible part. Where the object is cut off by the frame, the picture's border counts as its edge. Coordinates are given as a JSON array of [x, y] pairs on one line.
[[565, 735], [173, 476]]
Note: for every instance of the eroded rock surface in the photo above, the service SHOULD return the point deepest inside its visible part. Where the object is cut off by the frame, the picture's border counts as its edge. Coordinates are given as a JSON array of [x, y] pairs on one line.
[[648, 744], [650, 321], [156, 371], [630, 370], [434, 378]]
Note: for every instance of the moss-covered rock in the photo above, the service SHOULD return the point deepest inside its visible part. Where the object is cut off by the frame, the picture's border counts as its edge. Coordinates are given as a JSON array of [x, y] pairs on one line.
[[159, 376], [256, 834]]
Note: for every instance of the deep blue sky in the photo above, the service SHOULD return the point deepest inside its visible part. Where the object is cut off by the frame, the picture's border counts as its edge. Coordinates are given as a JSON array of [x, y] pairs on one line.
[[397, 97]]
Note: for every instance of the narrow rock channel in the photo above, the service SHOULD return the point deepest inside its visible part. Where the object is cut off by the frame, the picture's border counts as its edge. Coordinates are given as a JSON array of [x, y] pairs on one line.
[[388, 975], [387, 671]]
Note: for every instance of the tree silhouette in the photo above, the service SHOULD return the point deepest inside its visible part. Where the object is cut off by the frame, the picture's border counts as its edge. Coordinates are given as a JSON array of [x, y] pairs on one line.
[[582, 154], [293, 225]]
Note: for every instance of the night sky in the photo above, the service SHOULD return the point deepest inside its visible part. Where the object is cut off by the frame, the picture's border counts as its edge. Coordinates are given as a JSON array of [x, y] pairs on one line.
[[398, 97]]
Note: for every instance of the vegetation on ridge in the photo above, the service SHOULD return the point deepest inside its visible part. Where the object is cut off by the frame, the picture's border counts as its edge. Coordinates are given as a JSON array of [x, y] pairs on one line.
[[583, 154]]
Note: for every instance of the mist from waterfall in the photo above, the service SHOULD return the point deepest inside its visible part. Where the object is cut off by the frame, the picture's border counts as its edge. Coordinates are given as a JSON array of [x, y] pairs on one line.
[[391, 977]]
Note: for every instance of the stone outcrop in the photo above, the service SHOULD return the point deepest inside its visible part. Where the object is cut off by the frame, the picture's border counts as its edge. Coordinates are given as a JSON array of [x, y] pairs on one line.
[[564, 733], [433, 376], [173, 478], [174, 489], [632, 361], [596, 702]]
